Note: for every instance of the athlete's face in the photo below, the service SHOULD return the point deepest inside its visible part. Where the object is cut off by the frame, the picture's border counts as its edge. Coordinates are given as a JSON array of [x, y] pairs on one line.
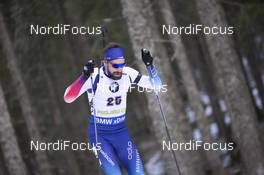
[[115, 68]]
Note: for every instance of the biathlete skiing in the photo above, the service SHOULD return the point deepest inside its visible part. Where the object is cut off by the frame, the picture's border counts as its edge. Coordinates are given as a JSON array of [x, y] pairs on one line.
[[107, 88]]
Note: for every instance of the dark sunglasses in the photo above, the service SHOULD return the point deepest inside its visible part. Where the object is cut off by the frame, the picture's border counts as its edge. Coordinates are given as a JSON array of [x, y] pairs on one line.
[[116, 66]]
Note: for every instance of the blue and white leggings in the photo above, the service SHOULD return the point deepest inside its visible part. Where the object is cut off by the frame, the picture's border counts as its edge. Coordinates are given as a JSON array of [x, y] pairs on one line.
[[116, 145]]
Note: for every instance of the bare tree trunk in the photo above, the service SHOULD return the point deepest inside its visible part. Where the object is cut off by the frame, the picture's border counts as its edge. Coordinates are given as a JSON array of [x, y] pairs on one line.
[[208, 84], [231, 83], [25, 103], [142, 29], [8, 142], [192, 90], [65, 156], [3, 169], [254, 60]]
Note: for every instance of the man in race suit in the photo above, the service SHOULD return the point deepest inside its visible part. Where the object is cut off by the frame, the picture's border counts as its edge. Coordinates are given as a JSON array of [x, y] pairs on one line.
[[107, 88]]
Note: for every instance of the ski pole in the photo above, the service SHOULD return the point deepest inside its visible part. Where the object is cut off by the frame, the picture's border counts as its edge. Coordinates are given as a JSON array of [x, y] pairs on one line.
[[103, 30], [167, 131], [156, 83], [94, 112]]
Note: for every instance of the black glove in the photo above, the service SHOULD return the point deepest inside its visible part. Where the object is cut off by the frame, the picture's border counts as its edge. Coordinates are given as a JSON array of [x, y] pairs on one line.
[[146, 57], [88, 68]]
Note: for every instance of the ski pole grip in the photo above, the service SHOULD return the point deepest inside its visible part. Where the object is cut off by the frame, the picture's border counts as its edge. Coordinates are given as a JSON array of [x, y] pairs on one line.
[[146, 57], [91, 63], [145, 51], [88, 68]]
